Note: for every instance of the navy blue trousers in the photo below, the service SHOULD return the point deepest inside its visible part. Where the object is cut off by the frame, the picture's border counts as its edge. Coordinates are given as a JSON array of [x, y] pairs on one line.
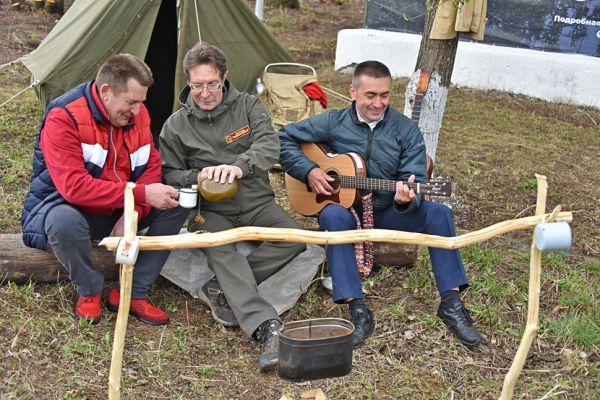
[[430, 218], [70, 233]]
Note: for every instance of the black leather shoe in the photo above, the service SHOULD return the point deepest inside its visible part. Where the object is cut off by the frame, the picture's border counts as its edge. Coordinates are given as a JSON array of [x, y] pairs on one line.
[[212, 296], [457, 318], [364, 325], [268, 335]]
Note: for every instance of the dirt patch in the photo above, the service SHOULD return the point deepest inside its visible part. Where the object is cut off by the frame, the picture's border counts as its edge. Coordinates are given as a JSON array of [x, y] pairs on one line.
[[22, 28]]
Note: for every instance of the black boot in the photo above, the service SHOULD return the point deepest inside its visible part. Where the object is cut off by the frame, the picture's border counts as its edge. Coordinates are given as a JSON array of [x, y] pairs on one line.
[[456, 317], [364, 324], [268, 335]]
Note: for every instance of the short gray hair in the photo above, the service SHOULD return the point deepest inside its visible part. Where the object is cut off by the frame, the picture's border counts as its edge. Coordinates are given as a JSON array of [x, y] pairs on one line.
[[204, 53]]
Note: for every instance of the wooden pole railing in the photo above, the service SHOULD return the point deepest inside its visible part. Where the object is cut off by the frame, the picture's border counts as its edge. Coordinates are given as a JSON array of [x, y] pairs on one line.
[[206, 239]]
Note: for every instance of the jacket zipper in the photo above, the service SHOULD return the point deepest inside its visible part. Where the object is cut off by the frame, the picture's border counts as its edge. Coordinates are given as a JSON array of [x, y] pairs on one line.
[[128, 158], [222, 155], [369, 146], [110, 139]]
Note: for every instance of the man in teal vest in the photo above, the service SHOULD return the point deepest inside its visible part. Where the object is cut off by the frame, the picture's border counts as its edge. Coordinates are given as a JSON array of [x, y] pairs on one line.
[[92, 141]]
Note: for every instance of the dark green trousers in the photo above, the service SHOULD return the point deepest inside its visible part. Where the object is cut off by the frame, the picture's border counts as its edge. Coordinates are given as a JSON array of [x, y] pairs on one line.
[[240, 275]]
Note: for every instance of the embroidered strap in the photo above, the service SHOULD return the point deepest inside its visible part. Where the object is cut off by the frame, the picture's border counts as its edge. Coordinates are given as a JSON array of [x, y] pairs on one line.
[[365, 251]]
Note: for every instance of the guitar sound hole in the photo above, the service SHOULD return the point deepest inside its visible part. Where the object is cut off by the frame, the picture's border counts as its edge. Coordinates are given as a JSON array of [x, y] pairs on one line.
[[335, 184]]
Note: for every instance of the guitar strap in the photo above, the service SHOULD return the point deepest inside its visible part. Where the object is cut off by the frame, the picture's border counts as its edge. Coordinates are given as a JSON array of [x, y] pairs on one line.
[[365, 251]]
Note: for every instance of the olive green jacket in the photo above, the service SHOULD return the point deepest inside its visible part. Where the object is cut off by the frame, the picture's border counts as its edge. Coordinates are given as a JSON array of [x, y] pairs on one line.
[[237, 132]]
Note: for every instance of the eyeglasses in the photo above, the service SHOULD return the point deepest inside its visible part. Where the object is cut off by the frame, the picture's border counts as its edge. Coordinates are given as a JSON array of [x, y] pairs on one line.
[[212, 87]]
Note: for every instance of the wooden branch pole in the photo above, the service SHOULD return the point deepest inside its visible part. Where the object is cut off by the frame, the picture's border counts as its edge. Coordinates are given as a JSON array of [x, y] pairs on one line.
[[533, 307], [200, 240], [125, 281]]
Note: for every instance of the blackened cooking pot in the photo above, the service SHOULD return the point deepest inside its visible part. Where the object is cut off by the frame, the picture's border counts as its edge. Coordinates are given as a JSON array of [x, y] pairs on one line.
[[315, 348]]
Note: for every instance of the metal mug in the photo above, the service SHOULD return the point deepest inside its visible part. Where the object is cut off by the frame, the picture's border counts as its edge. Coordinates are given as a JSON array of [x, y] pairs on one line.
[[553, 236], [188, 197]]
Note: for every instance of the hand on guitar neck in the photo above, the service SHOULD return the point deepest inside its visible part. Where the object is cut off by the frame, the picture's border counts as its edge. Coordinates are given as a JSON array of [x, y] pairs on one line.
[[405, 193], [319, 181]]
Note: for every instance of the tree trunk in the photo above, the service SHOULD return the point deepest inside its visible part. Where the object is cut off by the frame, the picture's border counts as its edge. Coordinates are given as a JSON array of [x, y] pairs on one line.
[[437, 57], [19, 263], [55, 6]]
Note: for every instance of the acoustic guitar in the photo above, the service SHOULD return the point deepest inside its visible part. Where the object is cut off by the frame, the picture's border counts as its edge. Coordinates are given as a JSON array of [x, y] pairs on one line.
[[350, 175]]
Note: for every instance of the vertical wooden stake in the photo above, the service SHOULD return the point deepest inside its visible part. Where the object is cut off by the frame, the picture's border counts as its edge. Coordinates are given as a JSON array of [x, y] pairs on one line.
[[531, 327], [126, 277]]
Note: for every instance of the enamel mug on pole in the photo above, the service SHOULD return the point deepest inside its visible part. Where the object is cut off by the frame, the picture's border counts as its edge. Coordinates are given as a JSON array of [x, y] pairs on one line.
[[127, 251], [553, 236]]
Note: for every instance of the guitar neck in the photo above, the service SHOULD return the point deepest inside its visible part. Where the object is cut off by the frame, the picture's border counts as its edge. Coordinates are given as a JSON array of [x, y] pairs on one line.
[[360, 182]]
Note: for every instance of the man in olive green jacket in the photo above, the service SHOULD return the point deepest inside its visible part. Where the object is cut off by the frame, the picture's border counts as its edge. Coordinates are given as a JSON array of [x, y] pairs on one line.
[[223, 135]]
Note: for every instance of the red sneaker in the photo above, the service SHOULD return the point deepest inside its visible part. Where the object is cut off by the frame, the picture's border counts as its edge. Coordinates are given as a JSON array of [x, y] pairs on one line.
[[139, 308], [88, 307]]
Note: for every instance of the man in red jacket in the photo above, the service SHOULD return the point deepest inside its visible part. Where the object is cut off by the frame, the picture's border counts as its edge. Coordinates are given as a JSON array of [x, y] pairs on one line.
[[92, 141]]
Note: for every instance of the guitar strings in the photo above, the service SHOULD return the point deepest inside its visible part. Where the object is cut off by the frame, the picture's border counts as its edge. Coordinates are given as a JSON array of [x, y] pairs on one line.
[[362, 182]]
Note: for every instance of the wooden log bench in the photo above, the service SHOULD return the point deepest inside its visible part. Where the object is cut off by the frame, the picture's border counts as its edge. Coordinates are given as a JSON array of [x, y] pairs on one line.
[[20, 264]]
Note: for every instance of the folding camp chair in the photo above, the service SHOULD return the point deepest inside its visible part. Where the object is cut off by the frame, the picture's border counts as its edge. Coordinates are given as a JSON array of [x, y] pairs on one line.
[[285, 99]]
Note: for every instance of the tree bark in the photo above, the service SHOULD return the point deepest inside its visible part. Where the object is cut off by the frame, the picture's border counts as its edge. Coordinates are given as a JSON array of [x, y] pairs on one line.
[[19, 263], [436, 56], [55, 6]]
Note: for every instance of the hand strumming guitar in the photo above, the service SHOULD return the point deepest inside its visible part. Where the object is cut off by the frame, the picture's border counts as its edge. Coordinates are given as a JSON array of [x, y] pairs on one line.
[[319, 181], [404, 194]]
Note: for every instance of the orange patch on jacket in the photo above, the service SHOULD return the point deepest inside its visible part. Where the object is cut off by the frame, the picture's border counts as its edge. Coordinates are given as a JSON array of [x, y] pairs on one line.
[[237, 134]]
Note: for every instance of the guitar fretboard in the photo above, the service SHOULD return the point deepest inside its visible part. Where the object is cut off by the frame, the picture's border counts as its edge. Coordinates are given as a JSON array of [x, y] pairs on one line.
[[416, 111], [361, 182], [437, 188]]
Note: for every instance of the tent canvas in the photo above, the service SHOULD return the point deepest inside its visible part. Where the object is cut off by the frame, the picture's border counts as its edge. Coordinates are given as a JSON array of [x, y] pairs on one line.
[[160, 32]]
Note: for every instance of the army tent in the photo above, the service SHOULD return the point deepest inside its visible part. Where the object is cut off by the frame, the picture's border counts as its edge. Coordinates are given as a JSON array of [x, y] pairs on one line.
[[160, 32]]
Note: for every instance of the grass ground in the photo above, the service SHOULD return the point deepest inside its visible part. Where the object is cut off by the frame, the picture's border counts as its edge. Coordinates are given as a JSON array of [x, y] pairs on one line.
[[490, 146]]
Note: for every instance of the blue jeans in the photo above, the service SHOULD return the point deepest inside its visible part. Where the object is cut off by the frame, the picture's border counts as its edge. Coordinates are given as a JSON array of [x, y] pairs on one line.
[[70, 233], [430, 218]]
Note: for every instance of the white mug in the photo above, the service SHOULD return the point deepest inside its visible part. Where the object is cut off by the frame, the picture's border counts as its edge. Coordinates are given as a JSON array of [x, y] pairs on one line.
[[552, 236], [188, 197]]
